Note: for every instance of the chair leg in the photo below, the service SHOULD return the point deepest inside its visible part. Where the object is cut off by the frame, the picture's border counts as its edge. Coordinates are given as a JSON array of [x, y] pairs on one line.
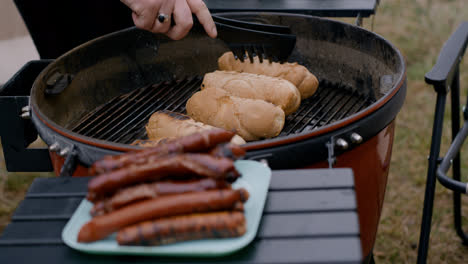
[[455, 98], [431, 178], [458, 218]]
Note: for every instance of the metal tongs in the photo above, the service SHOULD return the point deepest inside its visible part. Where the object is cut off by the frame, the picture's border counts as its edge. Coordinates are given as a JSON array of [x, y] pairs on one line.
[[246, 39]]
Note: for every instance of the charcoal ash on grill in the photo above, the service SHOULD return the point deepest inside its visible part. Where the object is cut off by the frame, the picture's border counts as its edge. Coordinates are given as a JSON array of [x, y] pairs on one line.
[[196, 191]]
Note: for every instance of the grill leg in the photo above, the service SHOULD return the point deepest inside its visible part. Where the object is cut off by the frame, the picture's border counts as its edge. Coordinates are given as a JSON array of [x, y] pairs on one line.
[[369, 259], [431, 178]]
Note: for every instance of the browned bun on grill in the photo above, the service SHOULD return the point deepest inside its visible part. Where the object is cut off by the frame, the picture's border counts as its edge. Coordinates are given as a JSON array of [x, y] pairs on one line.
[[166, 125], [252, 119], [297, 74], [274, 90]]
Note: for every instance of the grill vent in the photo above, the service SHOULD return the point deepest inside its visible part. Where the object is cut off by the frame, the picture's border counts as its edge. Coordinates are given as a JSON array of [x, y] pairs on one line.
[[123, 118]]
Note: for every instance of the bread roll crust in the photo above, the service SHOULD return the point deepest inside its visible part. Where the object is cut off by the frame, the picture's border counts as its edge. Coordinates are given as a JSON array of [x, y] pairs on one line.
[[252, 119], [167, 125], [297, 74], [277, 91]]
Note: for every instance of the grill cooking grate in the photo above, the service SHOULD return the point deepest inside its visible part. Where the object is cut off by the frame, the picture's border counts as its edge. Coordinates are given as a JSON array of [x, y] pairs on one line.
[[123, 119]]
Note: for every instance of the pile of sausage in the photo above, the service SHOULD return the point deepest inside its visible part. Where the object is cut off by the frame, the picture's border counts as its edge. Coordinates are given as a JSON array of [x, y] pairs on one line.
[[176, 191]]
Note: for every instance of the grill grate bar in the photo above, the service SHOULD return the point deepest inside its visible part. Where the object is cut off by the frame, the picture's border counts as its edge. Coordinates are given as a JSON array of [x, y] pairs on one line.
[[306, 106], [180, 108], [140, 120], [340, 107], [321, 103], [325, 113], [118, 115], [123, 119], [331, 113], [125, 122], [348, 111], [364, 104], [102, 113], [145, 110], [194, 86], [318, 119], [317, 112]]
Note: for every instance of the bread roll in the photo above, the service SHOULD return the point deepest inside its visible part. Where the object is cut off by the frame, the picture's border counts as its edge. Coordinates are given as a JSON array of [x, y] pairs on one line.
[[297, 74], [253, 86], [252, 119], [166, 125]]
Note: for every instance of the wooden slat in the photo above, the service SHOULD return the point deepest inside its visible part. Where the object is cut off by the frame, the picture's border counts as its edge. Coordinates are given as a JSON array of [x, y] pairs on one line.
[[300, 250], [33, 230], [309, 225], [277, 202], [292, 225], [311, 179], [49, 207], [58, 185], [310, 201]]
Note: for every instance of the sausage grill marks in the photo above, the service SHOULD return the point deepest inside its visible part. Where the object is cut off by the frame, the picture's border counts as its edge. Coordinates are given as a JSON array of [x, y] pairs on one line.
[[147, 191], [165, 206], [180, 165], [183, 228], [197, 142], [176, 191]]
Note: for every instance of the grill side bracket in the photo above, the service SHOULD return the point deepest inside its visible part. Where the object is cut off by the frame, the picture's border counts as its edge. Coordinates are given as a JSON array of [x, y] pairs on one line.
[[16, 132]]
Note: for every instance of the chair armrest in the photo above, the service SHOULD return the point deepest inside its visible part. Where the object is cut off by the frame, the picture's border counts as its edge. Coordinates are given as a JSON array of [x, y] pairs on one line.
[[452, 152], [441, 75]]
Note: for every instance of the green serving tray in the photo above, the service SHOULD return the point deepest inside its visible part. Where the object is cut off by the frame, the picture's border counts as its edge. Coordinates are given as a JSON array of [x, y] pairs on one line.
[[255, 178]]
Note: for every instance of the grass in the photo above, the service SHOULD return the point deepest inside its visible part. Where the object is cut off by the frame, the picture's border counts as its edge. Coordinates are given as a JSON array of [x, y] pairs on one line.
[[418, 28], [13, 187]]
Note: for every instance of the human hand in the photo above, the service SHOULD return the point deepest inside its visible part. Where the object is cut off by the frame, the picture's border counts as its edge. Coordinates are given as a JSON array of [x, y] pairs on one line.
[[155, 16]]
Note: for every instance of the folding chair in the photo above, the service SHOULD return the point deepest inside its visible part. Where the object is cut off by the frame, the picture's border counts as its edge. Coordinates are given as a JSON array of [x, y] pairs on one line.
[[445, 77]]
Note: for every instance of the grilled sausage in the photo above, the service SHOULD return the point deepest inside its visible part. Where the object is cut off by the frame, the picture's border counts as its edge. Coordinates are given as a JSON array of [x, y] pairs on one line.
[[147, 191], [197, 142], [200, 165], [228, 150], [182, 228], [165, 206]]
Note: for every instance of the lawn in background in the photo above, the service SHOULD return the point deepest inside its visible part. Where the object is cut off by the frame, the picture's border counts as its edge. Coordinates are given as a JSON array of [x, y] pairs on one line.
[[419, 29]]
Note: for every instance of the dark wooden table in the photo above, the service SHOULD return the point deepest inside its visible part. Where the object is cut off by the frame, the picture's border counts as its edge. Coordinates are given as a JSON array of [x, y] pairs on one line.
[[310, 217]]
